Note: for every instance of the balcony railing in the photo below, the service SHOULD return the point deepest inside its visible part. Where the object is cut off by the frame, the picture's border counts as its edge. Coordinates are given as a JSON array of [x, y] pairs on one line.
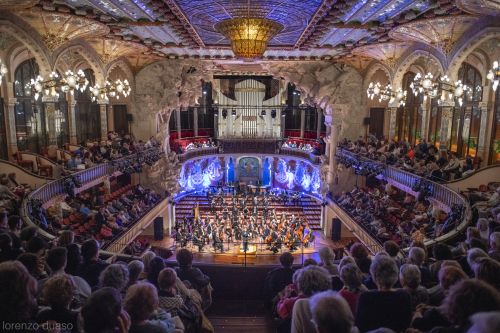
[[315, 159], [46, 194], [439, 194]]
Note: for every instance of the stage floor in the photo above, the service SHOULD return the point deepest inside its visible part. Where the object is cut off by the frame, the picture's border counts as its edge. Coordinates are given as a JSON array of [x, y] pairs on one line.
[[233, 255]]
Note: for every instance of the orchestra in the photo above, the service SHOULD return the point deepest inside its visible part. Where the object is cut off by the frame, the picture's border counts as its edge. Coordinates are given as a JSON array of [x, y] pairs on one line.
[[244, 218]]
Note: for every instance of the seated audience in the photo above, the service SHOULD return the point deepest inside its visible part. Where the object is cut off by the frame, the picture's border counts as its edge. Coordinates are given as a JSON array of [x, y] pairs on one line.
[[353, 286], [103, 313], [385, 307], [330, 313]]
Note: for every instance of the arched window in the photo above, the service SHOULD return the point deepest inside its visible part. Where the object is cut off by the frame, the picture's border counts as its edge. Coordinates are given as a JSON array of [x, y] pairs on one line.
[[87, 113], [31, 124], [466, 121], [409, 117]]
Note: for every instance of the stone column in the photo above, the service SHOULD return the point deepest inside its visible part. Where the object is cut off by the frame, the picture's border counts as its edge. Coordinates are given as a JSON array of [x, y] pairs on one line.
[[178, 122], [195, 121], [318, 123], [111, 119], [72, 120], [49, 103], [392, 110], [445, 130], [482, 140], [104, 118], [302, 122], [334, 121], [425, 120], [10, 123]]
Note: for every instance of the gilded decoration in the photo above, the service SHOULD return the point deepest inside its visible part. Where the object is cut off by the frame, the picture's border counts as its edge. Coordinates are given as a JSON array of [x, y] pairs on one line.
[[480, 7], [388, 53], [111, 49]]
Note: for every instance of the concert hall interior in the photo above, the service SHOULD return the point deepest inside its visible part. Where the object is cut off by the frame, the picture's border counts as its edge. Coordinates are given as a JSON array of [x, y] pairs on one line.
[[249, 166]]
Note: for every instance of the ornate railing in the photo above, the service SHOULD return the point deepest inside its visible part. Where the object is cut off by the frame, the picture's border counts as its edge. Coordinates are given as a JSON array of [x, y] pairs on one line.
[[197, 152], [438, 194], [46, 194], [315, 159]]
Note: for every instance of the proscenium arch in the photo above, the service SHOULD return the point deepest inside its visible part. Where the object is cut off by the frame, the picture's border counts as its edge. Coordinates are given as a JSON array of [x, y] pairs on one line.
[[87, 53], [470, 45], [409, 59], [30, 44]]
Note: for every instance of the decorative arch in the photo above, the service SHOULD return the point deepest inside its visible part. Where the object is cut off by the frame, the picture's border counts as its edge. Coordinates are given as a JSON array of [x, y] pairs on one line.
[[408, 59], [87, 53], [26, 39], [468, 46], [124, 66], [372, 69]]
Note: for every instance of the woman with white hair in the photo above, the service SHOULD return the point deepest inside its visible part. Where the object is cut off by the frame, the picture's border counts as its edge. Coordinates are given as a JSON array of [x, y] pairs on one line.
[[385, 307], [482, 226], [330, 313], [141, 303], [327, 257], [473, 256], [353, 286], [311, 280], [115, 275], [410, 279]]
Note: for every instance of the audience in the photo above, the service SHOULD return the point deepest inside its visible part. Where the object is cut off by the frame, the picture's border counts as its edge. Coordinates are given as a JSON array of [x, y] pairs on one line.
[[330, 313]]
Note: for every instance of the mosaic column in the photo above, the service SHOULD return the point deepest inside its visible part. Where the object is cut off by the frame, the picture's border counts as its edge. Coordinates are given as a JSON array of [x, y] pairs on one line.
[[49, 103], [482, 142], [11, 125], [318, 123], [392, 122], [195, 121], [178, 122], [302, 122], [103, 113], [72, 120], [425, 120], [445, 130]]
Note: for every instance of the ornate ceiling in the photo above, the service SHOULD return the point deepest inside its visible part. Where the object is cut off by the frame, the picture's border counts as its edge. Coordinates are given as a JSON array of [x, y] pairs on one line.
[[146, 30]]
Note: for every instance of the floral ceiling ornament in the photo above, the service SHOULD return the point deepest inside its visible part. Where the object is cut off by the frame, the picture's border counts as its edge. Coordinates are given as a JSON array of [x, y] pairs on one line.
[[58, 28], [387, 53], [480, 7], [440, 32], [111, 49]]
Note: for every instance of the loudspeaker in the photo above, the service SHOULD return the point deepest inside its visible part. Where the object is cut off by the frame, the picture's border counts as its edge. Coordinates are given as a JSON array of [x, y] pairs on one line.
[[158, 228], [366, 121], [130, 117], [224, 113], [273, 114], [336, 229]]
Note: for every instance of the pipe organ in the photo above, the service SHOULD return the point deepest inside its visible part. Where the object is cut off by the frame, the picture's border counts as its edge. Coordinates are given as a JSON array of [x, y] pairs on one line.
[[249, 107]]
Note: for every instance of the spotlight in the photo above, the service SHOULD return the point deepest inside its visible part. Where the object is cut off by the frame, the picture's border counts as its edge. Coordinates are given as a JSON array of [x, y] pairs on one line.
[[273, 114], [233, 112], [263, 112], [224, 113]]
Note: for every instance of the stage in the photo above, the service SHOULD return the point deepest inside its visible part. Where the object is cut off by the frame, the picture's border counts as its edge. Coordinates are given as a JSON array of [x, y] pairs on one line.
[[265, 258]]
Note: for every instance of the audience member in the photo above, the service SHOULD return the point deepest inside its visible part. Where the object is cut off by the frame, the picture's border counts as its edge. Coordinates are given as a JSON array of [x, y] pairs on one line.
[[330, 313]]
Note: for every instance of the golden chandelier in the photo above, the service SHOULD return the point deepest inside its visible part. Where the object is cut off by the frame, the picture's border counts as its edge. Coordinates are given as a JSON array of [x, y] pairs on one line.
[[249, 35]]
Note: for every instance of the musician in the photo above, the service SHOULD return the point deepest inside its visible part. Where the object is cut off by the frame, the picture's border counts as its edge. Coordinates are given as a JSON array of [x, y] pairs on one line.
[[245, 236], [225, 213], [198, 240], [217, 242]]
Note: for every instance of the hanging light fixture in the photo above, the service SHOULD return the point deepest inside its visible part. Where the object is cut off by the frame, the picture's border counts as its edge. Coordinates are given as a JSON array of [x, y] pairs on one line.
[[424, 85], [113, 90], [3, 70], [56, 84], [249, 35], [451, 91], [494, 75], [386, 93]]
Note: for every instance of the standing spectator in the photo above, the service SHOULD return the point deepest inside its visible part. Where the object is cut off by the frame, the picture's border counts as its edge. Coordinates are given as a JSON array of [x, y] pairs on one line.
[[280, 277], [360, 255], [198, 280], [91, 266], [384, 307]]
